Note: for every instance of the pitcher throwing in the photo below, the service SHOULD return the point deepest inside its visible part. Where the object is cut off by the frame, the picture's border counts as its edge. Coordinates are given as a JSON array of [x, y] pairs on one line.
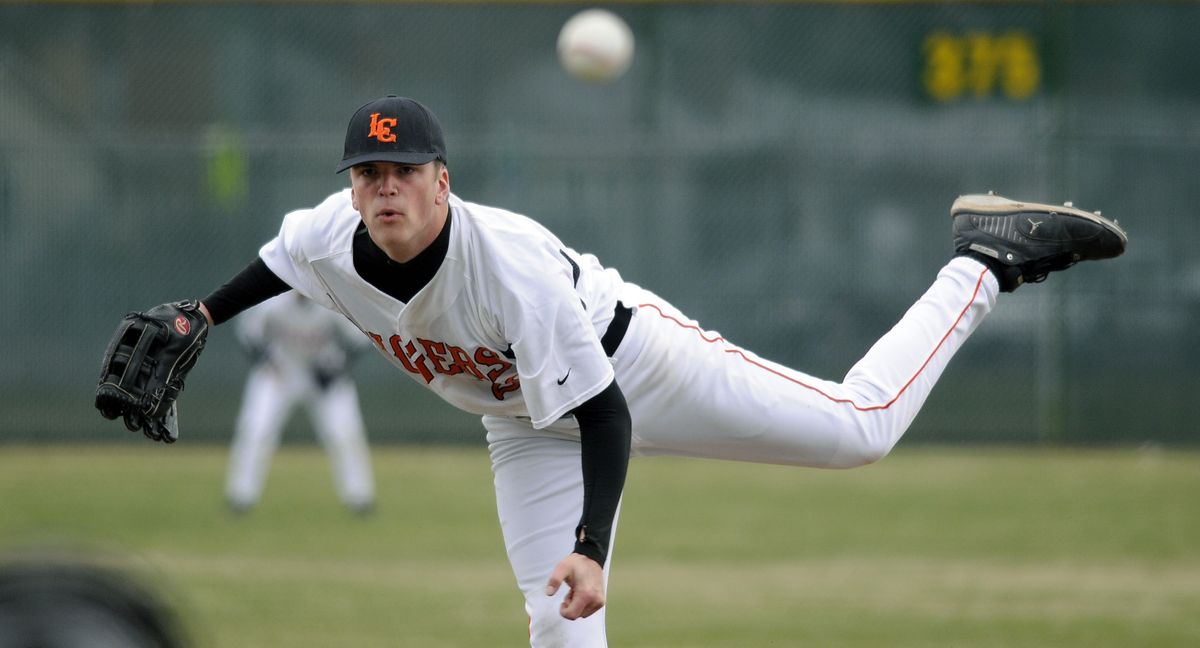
[[574, 369]]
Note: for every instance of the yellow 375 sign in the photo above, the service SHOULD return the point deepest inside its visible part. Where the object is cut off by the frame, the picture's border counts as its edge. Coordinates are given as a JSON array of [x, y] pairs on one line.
[[981, 65]]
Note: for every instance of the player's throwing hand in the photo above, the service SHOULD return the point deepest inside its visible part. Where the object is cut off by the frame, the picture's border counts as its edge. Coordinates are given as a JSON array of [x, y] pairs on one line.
[[586, 580]]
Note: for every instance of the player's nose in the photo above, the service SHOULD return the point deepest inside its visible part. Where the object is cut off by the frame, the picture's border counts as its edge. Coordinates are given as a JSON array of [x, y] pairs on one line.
[[389, 185]]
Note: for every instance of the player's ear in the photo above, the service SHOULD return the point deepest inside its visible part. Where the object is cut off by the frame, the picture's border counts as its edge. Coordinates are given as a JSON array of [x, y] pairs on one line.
[[353, 199], [443, 185]]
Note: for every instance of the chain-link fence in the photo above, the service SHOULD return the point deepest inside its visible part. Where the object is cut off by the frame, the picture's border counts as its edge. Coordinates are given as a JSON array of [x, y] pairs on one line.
[[782, 172]]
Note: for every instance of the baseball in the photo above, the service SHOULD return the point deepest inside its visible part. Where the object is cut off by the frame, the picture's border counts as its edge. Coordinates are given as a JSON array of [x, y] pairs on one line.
[[595, 45]]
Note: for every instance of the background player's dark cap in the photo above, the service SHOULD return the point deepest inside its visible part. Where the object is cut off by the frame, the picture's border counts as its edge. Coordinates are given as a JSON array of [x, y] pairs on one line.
[[393, 129]]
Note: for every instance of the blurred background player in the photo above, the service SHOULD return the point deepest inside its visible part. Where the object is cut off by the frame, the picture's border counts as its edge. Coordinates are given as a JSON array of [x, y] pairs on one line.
[[301, 353]]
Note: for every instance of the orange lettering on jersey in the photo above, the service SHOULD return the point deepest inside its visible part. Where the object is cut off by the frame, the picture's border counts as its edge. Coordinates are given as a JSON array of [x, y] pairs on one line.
[[381, 129], [510, 384], [461, 361], [488, 358], [449, 360], [436, 352], [407, 355]]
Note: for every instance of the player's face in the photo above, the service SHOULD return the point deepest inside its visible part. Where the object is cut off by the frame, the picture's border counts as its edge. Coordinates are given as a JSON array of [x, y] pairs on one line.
[[403, 205]]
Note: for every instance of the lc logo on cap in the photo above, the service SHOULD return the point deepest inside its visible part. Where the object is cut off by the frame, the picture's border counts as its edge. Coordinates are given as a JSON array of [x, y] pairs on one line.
[[392, 129], [381, 129]]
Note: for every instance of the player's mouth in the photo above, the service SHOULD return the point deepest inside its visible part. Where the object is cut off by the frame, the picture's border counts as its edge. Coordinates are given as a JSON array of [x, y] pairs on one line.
[[388, 215]]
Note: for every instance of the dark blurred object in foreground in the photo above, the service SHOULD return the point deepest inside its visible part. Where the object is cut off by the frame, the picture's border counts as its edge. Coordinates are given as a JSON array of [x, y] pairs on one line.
[[66, 604]]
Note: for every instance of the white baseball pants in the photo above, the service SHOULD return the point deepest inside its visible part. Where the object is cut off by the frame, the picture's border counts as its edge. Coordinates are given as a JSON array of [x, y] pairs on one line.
[[692, 393]]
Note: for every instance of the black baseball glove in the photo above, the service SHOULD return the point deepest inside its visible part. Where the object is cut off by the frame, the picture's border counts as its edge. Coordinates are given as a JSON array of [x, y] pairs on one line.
[[145, 364]]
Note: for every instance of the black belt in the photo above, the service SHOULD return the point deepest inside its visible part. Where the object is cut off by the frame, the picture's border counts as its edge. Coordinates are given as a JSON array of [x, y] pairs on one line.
[[616, 329]]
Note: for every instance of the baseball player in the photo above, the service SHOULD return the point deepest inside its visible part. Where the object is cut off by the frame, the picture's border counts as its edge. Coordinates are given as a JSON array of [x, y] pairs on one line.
[[300, 352], [574, 369]]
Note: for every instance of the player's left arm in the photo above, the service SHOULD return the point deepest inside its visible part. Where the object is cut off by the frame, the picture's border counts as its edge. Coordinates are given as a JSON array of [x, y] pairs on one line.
[[605, 429], [255, 284]]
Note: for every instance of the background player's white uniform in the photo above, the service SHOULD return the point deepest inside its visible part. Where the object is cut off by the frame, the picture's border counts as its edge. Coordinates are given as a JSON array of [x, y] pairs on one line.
[[304, 350], [509, 328]]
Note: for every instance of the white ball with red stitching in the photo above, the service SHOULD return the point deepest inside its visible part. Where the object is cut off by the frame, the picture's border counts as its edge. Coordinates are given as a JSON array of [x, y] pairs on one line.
[[596, 45]]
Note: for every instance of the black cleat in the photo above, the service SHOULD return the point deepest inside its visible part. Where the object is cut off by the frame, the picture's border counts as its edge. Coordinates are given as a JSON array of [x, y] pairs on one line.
[[1023, 242]]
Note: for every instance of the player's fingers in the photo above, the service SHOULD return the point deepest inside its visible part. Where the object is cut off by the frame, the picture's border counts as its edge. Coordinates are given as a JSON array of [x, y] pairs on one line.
[[581, 603], [586, 582], [566, 609], [556, 579]]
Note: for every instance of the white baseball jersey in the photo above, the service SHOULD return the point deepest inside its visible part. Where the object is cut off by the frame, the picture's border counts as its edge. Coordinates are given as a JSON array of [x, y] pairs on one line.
[[509, 325]]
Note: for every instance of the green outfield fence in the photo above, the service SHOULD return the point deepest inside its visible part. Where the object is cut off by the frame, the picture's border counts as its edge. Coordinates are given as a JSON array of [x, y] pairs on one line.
[[782, 171]]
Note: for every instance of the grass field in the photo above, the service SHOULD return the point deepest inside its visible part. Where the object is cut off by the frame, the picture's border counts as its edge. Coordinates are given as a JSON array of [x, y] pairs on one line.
[[931, 547]]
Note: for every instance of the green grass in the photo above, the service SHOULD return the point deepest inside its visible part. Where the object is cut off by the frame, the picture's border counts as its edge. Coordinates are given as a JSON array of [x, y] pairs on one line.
[[930, 548]]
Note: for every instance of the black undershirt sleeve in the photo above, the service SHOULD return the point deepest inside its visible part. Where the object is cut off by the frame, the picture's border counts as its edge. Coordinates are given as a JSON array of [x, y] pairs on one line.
[[605, 428], [253, 285]]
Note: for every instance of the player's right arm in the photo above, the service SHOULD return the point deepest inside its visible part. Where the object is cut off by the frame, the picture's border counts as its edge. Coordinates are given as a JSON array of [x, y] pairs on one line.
[[605, 429], [605, 433]]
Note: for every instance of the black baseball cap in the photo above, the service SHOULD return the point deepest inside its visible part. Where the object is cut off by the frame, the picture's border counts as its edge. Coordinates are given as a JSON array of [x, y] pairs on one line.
[[393, 129]]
